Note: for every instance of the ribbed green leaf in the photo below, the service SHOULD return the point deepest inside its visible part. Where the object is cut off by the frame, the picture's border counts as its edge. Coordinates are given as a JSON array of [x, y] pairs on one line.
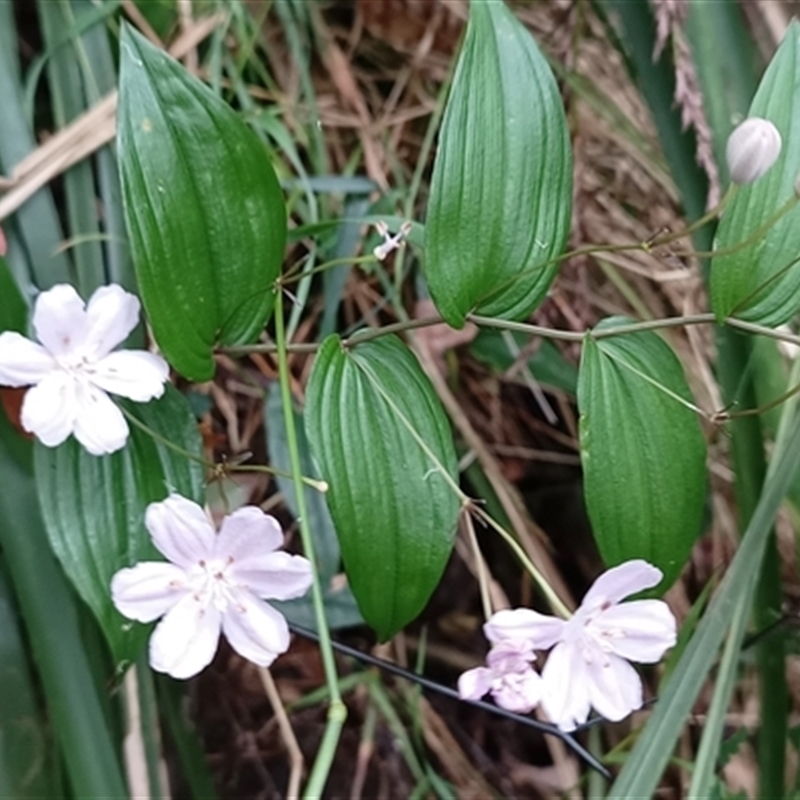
[[384, 445], [642, 450], [53, 626], [204, 210], [93, 507], [761, 281], [501, 191]]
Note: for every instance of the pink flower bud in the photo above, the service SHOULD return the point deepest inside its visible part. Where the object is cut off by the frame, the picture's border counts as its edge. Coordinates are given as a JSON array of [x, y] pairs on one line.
[[752, 149]]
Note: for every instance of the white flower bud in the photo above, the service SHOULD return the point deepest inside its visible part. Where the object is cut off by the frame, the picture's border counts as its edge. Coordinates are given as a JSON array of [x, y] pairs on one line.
[[752, 149]]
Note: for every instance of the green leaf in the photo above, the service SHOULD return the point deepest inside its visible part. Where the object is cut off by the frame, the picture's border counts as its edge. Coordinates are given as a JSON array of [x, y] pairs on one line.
[[204, 210], [93, 507], [760, 282], [52, 623], [501, 191], [642, 450], [384, 445]]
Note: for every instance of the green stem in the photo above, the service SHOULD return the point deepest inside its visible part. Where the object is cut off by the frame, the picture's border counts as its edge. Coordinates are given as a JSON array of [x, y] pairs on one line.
[[761, 330], [366, 335], [359, 337], [221, 468], [293, 275], [605, 333], [753, 237], [337, 712], [556, 603]]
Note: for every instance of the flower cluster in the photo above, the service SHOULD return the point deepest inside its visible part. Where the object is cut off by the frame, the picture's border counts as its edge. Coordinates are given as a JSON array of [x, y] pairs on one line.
[[72, 368], [588, 666], [211, 583]]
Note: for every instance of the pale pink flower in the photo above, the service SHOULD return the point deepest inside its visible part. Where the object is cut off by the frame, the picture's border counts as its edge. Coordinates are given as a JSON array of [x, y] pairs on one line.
[[508, 676], [588, 666], [73, 369], [214, 582]]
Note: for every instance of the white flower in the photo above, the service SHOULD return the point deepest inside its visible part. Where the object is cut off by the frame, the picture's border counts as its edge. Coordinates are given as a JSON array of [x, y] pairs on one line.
[[214, 583], [73, 368], [752, 148], [508, 676], [390, 242], [588, 667]]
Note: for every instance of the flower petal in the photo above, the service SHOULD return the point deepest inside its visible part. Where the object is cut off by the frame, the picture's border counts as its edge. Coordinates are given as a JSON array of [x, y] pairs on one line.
[[474, 683], [615, 688], [255, 630], [148, 590], [59, 319], [112, 313], [180, 530], [184, 642], [23, 362], [135, 374], [99, 425], [49, 409], [248, 533], [640, 630], [565, 689], [510, 655], [541, 630], [619, 582], [274, 576], [520, 692]]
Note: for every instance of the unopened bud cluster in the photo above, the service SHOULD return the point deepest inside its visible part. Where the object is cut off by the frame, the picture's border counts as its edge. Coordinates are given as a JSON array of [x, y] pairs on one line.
[[753, 147]]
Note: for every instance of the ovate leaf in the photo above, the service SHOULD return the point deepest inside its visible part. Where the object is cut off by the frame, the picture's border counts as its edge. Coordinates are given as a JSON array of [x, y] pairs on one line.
[[501, 190], [642, 450], [384, 446], [760, 282], [204, 211], [93, 507]]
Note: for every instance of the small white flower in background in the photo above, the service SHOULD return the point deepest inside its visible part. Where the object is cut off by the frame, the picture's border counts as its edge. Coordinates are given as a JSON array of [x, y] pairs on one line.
[[508, 676], [73, 368], [753, 147], [390, 243], [215, 582], [588, 666]]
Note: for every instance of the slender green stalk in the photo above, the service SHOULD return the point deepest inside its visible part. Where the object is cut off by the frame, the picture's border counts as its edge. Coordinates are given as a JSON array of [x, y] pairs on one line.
[[293, 275], [556, 603], [337, 712], [605, 333], [218, 468]]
